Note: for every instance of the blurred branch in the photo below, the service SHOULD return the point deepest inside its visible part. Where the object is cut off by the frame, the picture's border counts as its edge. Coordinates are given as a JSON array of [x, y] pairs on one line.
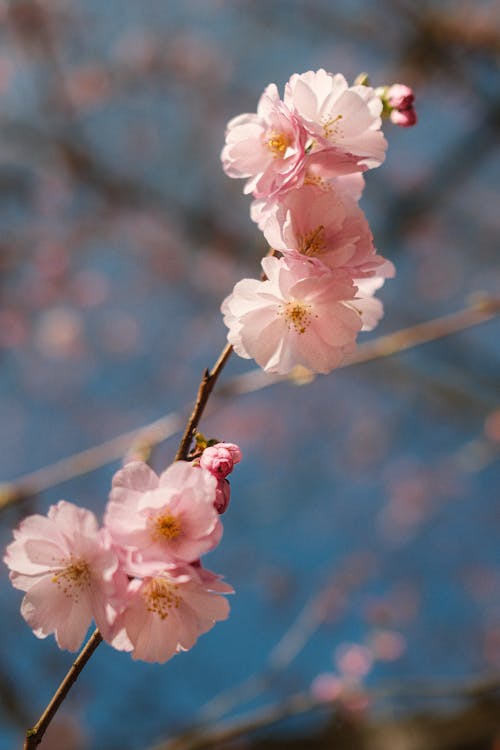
[[448, 174], [150, 435], [327, 603], [482, 692]]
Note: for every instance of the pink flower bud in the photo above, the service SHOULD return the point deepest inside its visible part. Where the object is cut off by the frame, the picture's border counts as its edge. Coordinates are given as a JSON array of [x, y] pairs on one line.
[[219, 459], [222, 496], [404, 118], [400, 97]]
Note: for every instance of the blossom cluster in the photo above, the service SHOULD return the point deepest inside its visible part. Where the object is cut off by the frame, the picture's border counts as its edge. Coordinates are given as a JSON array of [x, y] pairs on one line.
[[303, 158], [139, 576]]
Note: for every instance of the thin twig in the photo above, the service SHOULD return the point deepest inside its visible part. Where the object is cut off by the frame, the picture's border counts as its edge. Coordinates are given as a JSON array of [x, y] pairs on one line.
[[151, 434], [35, 734], [208, 381]]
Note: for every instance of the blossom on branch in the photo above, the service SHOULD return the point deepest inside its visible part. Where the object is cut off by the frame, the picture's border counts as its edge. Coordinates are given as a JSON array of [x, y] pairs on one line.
[[328, 225], [299, 315], [156, 521], [165, 612], [219, 459], [343, 121], [400, 99], [69, 574], [268, 147]]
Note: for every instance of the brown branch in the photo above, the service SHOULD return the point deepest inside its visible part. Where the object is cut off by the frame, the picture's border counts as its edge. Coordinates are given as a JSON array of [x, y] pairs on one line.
[[35, 734], [382, 347], [208, 381], [151, 434]]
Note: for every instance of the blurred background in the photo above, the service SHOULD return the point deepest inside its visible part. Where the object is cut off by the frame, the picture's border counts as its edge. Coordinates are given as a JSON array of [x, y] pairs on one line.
[[362, 538]]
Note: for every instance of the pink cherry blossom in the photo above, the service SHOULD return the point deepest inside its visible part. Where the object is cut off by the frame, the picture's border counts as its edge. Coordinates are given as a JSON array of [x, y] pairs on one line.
[[328, 225], [327, 687], [353, 660], [220, 458], [268, 147], [165, 519], [165, 612], [299, 315], [68, 573], [343, 121]]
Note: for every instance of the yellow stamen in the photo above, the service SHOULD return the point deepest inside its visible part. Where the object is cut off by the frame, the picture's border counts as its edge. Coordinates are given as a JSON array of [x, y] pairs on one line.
[[161, 596], [73, 578], [297, 314], [331, 126], [277, 143], [313, 179], [166, 527], [313, 243]]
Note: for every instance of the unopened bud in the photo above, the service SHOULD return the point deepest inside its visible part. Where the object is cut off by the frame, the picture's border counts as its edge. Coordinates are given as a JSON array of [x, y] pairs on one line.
[[222, 496], [400, 96], [405, 118], [219, 459]]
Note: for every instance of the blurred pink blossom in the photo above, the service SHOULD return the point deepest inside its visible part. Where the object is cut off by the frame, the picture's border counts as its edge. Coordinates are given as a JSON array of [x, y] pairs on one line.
[[327, 687], [387, 645], [353, 660]]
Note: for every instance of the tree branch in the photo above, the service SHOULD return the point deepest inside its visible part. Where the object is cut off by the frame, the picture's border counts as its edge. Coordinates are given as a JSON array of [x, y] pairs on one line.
[[35, 734], [151, 434], [208, 381]]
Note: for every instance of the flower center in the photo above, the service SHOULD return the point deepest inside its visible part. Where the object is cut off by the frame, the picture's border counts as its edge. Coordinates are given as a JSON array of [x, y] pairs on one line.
[[167, 527], [332, 126], [277, 143], [73, 578], [161, 596], [313, 243], [296, 314], [315, 179]]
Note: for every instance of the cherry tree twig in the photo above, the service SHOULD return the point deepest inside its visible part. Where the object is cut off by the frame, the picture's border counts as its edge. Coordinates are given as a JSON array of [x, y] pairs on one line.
[[35, 734], [149, 435], [382, 347], [208, 381]]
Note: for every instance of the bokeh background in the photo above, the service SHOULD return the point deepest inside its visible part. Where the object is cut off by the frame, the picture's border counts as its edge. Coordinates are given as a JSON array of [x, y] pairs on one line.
[[362, 539]]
